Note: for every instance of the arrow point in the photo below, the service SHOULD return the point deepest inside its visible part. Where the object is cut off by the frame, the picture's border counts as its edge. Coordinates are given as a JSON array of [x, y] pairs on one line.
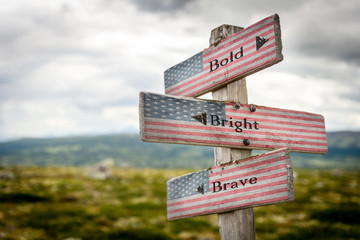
[[260, 41], [201, 118]]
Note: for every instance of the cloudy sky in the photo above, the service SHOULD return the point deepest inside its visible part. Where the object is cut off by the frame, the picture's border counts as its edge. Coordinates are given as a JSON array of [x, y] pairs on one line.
[[70, 67]]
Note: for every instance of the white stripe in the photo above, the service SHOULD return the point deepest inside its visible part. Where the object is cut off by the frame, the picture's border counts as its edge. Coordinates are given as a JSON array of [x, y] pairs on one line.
[[279, 111], [196, 196], [225, 51], [277, 118], [219, 175], [222, 71], [224, 142], [246, 52], [254, 160], [219, 130], [214, 199], [241, 34], [293, 129], [234, 203]]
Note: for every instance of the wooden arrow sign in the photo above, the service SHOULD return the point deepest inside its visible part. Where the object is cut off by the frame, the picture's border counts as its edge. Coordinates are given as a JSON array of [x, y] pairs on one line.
[[181, 120], [241, 54], [256, 181]]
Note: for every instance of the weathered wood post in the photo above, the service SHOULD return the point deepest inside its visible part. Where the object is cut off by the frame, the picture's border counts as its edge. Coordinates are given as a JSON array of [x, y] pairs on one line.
[[237, 224], [179, 118]]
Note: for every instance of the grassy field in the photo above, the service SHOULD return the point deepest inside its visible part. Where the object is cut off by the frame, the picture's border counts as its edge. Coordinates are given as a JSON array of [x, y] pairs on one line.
[[61, 203]]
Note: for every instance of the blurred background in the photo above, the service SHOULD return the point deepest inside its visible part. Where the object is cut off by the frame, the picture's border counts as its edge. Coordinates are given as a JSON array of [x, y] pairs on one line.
[[71, 162]]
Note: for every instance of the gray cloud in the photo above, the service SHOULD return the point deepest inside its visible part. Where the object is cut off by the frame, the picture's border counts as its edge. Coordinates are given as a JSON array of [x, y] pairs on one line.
[[63, 64], [334, 43], [159, 6], [329, 30]]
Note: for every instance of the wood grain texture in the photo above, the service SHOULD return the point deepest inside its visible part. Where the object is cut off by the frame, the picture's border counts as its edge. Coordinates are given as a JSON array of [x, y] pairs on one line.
[[238, 224]]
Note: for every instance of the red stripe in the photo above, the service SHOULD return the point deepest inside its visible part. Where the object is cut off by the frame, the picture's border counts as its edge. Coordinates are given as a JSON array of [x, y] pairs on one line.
[[232, 76], [245, 131], [278, 122], [252, 32], [238, 168], [216, 75], [224, 201], [217, 135], [206, 63], [246, 56], [260, 202], [261, 21], [230, 105], [257, 113], [298, 130], [262, 126], [272, 176], [211, 128], [225, 144], [253, 158], [237, 44], [205, 74], [224, 194]]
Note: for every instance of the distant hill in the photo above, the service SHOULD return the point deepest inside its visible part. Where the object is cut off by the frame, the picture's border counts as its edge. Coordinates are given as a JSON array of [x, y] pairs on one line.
[[128, 150]]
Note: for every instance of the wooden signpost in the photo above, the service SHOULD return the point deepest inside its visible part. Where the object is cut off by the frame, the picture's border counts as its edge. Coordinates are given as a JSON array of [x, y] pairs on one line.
[[239, 55], [256, 181], [171, 119], [238, 181]]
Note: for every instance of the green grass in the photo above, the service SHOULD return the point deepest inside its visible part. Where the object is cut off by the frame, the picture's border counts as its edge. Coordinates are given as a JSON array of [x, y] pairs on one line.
[[60, 202]]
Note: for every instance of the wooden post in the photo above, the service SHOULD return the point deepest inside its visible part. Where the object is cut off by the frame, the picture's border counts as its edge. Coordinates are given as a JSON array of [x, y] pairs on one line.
[[238, 224]]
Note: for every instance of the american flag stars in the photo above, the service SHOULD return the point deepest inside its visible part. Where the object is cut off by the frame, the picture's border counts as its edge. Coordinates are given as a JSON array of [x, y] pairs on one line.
[[165, 107], [187, 185], [184, 70]]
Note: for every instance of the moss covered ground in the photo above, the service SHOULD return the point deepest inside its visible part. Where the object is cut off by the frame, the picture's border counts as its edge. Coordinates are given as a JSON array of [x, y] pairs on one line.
[[61, 203]]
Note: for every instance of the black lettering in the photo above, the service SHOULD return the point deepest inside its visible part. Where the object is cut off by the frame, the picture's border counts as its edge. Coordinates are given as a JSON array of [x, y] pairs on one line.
[[234, 185], [243, 182], [231, 123], [216, 65], [231, 56], [218, 186], [253, 180], [238, 125], [225, 185], [215, 120], [246, 124], [224, 62], [240, 52]]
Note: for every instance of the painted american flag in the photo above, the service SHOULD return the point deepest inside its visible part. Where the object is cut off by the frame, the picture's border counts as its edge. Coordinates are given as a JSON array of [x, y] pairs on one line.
[[172, 119], [260, 45], [256, 181]]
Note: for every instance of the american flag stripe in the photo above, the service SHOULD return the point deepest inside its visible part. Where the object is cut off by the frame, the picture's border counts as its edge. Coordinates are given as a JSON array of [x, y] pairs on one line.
[[190, 78], [274, 183], [197, 85], [193, 135], [246, 36], [232, 139], [170, 121]]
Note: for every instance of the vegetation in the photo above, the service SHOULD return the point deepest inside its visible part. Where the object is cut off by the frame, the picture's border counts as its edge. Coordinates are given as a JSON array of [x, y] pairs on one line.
[[61, 203], [128, 150]]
